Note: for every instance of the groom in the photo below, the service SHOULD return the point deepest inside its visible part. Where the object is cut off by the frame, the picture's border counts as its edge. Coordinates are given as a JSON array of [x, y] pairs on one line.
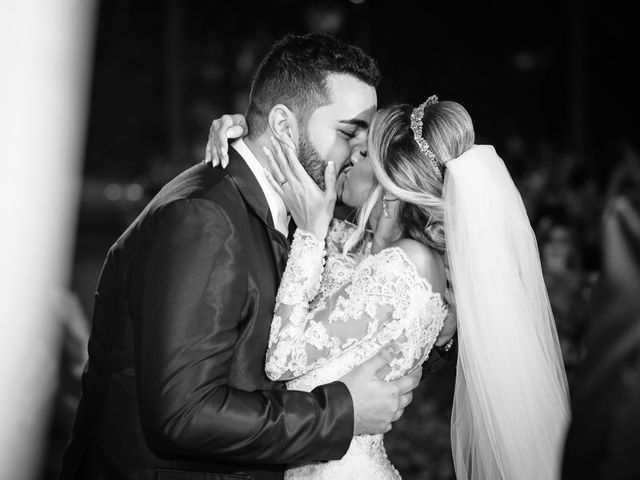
[[175, 385]]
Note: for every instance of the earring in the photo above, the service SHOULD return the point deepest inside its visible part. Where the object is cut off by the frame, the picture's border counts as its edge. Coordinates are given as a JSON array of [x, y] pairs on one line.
[[385, 208]]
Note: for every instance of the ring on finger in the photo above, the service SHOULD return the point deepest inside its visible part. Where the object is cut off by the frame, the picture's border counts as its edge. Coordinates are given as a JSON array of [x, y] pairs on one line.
[[283, 182]]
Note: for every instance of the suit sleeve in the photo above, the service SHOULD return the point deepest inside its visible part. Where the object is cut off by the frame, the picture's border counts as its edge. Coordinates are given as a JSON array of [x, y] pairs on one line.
[[438, 359], [189, 288]]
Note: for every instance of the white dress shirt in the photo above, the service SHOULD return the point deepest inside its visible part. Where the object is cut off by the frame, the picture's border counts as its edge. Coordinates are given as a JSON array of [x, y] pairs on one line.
[[276, 204]]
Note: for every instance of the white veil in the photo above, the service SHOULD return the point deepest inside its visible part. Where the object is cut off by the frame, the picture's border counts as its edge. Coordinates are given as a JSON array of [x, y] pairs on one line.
[[511, 407]]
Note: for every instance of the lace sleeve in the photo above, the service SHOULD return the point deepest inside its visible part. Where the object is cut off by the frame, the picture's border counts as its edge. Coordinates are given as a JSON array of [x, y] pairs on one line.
[[385, 301], [338, 234]]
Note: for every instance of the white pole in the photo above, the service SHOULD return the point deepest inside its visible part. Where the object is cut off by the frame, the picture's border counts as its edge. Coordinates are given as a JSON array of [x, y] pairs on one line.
[[45, 48]]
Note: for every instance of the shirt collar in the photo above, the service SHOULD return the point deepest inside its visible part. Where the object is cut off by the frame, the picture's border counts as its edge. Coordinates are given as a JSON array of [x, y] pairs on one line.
[[276, 204]]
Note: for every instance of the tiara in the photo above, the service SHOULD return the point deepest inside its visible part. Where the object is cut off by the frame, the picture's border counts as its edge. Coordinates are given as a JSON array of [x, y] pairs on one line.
[[416, 126]]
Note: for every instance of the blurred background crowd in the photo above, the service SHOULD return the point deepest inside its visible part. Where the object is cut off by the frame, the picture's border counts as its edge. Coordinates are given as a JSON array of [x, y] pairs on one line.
[[550, 84]]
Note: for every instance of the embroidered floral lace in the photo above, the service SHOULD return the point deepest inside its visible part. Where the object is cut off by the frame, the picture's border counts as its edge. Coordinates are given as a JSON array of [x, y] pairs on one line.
[[332, 313]]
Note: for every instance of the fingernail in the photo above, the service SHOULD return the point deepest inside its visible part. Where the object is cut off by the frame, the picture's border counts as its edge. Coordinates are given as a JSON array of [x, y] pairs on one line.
[[331, 165], [266, 150]]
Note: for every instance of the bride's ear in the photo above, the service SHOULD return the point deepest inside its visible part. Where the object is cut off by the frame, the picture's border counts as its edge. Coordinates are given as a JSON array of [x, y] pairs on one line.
[[284, 125]]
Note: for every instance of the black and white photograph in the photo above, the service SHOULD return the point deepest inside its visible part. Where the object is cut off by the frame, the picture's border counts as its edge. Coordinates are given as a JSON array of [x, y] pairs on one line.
[[319, 240]]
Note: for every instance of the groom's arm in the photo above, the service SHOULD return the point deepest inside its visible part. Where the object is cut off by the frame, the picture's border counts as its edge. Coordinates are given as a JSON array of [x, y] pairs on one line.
[[441, 355], [445, 349], [188, 300]]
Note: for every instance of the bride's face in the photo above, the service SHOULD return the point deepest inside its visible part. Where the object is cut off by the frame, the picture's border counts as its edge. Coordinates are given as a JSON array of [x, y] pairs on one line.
[[355, 183]]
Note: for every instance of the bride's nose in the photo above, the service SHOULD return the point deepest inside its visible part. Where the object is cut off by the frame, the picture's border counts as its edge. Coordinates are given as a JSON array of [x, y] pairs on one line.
[[357, 155]]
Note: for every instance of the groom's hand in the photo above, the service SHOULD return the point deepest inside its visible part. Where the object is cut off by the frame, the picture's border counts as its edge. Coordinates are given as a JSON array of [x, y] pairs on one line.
[[376, 403]]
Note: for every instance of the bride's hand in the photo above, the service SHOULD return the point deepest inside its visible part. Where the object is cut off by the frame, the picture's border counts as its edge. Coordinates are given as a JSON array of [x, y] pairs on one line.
[[310, 207], [222, 129]]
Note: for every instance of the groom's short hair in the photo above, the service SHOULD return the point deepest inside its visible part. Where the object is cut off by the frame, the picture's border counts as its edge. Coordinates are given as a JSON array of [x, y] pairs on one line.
[[294, 73]]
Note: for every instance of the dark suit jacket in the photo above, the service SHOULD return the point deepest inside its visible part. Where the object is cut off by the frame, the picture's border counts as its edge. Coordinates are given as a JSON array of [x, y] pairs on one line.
[[175, 382]]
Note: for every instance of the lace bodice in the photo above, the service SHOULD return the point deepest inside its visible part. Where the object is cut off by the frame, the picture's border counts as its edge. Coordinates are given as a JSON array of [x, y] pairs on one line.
[[333, 312], [350, 305]]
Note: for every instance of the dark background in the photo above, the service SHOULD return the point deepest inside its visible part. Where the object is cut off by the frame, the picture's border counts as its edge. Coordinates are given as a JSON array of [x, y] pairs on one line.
[[550, 84]]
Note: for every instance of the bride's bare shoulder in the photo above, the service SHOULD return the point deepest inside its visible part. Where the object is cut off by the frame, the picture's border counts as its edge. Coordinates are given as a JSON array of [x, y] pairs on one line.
[[429, 263]]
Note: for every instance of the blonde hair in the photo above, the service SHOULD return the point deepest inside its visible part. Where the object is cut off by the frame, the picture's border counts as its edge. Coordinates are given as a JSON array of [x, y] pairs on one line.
[[404, 171]]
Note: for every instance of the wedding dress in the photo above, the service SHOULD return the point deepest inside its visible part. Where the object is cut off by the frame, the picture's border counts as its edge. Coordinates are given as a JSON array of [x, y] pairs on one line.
[[333, 312]]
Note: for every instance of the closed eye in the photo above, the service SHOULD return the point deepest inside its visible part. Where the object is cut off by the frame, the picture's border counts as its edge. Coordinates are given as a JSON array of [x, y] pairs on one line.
[[348, 135]]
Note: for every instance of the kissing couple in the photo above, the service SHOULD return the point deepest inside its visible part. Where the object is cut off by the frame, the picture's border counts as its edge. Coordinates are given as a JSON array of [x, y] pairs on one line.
[[223, 347]]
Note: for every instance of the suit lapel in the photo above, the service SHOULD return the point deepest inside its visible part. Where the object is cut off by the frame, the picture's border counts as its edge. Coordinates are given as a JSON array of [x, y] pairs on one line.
[[280, 248], [292, 230], [255, 200]]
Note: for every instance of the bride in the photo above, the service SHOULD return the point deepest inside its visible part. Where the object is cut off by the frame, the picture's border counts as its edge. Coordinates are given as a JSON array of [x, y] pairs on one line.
[[427, 197]]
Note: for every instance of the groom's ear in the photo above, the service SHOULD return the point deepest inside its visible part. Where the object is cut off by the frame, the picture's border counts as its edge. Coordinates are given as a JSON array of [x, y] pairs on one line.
[[284, 125]]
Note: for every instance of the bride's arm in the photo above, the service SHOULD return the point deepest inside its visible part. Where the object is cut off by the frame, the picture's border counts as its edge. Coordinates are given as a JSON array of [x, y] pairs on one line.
[[300, 284], [221, 131]]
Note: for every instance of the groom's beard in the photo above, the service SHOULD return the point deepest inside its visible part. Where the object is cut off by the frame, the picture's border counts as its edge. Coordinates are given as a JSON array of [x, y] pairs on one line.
[[310, 160]]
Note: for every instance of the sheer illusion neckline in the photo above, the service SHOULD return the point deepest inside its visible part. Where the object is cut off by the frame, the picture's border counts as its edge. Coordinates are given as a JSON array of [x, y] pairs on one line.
[[412, 267]]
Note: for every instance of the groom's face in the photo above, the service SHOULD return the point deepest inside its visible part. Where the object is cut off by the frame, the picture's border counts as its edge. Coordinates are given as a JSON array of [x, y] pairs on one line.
[[338, 130]]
